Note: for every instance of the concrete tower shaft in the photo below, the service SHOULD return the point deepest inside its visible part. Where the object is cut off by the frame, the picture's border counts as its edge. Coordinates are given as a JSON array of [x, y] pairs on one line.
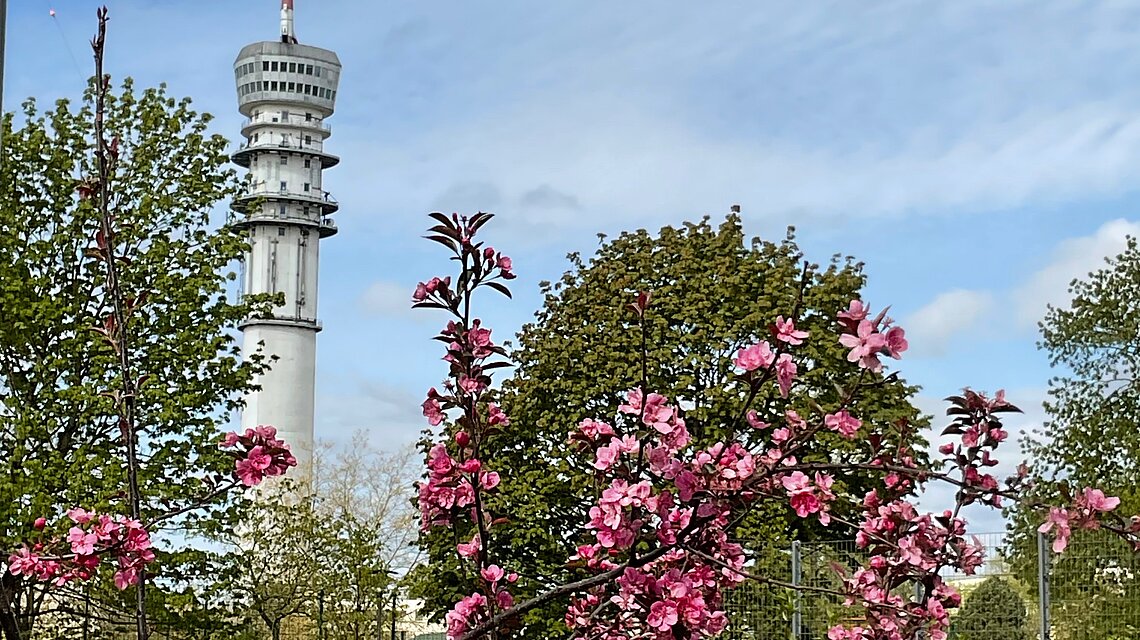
[[286, 91]]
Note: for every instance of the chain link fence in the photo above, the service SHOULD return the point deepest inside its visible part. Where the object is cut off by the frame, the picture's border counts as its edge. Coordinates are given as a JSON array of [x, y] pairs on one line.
[[1023, 591]]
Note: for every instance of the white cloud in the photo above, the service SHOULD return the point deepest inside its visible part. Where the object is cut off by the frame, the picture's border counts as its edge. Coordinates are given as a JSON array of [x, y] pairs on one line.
[[387, 299], [931, 328], [389, 415], [1073, 258]]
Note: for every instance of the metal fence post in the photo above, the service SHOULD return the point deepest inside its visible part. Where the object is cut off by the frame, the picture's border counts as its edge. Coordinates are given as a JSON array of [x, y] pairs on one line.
[[920, 634], [1043, 585], [321, 614], [797, 612]]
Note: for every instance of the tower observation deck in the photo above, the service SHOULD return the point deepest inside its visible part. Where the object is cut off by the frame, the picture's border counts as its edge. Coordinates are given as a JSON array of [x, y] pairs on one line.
[[286, 91]]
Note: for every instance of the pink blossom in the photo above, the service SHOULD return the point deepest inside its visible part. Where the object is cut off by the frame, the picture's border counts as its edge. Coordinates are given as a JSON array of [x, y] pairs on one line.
[[785, 373], [855, 312], [496, 416], [754, 420], [786, 331], [432, 409], [757, 356], [1058, 523], [492, 574], [80, 516], [472, 386], [896, 342], [662, 615], [1095, 500], [248, 473], [865, 345], [489, 479], [842, 422], [469, 549]]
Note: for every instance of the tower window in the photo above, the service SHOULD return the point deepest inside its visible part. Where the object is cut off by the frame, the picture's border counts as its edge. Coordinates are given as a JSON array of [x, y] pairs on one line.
[[309, 69], [281, 209], [308, 117], [318, 70], [273, 85], [308, 163], [292, 86], [292, 67], [306, 210], [265, 65], [306, 187], [284, 187], [255, 136], [273, 66], [308, 139], [280, 231], [284, 160]]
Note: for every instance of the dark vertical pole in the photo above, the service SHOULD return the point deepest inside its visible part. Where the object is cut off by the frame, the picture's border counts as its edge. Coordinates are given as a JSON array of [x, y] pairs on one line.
[[86, 595], [797, 612], [321, 614], [1043, 585], [393, 613], [3, 32]]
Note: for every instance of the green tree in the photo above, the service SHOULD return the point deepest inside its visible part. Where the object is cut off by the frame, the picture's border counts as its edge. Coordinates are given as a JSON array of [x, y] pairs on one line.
[[59, 435], [713, 293], [1089, 439], [1094, 404], [337, 551], [993, 611]]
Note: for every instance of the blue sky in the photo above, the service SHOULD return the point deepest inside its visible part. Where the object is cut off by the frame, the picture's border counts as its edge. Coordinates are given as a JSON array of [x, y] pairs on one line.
[[976, 155]]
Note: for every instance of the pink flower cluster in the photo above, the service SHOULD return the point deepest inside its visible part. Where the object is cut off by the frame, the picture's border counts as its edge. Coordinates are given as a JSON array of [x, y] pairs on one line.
[[449, 491], [869, 339], [760, 357], [808, 498], [77, 556], [980, 433], [1085, 513], [259, 454], [907, 548]]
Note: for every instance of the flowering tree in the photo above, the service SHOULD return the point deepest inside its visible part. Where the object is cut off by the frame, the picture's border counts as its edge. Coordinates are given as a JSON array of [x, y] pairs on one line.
[[656, 540], [117, 364], [716, 290]]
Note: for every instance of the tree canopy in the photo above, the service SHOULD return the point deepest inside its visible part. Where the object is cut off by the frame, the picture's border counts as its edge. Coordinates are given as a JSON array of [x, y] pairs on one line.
[[992, 611], [58, 427], [714, 292]]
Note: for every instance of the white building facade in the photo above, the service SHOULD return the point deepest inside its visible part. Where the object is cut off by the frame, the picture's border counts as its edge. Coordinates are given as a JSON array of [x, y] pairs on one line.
[[286, 91]]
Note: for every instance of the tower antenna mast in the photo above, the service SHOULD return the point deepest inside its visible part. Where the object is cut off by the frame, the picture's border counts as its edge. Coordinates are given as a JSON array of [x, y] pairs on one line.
[[287, 34]]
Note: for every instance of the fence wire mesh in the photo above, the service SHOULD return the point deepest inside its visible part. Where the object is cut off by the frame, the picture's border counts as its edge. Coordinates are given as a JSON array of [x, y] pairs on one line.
[[1092, 592]]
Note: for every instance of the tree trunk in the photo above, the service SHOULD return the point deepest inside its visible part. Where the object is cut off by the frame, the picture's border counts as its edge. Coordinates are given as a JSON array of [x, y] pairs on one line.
[[10, 616], [275, 629]]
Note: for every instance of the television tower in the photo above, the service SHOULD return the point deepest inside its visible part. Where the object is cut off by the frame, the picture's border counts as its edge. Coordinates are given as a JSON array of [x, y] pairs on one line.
[[286, 91]]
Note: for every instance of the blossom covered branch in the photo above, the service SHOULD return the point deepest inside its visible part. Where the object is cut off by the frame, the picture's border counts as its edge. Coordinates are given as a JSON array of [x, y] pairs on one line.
[[657, 537]]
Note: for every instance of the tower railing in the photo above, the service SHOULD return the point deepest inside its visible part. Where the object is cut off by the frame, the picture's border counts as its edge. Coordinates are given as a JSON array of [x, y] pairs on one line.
[[293, 120]]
